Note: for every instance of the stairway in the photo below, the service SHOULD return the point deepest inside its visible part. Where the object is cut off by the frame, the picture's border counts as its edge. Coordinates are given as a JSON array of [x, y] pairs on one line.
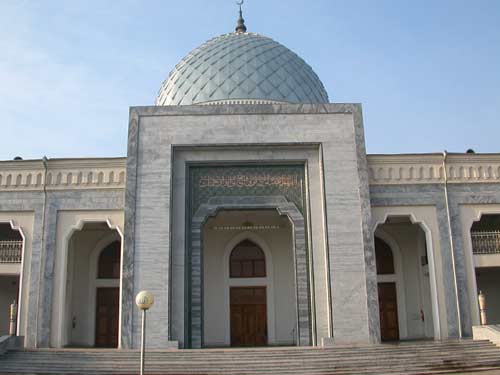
[[446, 357]]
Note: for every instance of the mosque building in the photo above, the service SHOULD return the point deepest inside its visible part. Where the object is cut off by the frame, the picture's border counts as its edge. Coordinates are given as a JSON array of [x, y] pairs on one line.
[[248, 207]]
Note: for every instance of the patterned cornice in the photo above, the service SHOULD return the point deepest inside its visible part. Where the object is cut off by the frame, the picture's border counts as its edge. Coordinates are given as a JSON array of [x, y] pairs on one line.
[[406, 169], [63, 174], [109, 173]]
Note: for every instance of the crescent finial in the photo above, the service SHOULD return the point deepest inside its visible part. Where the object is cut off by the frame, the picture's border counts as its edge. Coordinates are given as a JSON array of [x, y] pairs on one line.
[[241, 28]]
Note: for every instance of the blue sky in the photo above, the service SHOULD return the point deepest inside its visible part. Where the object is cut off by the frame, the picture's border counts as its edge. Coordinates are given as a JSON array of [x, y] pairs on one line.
[[426, 72]]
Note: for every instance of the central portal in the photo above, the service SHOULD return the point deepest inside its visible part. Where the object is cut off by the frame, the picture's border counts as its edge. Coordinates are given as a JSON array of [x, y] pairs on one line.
[[257, 211], [248, 316], [249, 284]]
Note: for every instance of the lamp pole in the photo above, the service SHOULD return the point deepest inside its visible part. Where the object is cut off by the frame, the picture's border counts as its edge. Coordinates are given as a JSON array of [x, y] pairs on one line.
[[144, 300]]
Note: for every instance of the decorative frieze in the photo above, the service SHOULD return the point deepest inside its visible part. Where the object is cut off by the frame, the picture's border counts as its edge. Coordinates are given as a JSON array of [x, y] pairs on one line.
[[428, 168], [247, 180], [62, 174], [105, 173], [245, 227]]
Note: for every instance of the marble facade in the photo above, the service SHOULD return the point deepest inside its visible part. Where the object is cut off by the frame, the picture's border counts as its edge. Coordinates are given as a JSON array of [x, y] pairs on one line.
[[349, 194]]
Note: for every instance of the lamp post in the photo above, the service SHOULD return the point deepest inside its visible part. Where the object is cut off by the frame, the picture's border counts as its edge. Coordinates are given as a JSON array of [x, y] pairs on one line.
[[144, 300]]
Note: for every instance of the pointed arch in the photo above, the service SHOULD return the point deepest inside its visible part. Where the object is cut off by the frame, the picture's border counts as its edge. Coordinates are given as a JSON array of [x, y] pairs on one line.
[[397, 277], [247, 260], [265, 281]]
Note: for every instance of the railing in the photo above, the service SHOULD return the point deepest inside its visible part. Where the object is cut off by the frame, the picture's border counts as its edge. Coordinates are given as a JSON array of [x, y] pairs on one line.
[[11, 251], [486, 242]]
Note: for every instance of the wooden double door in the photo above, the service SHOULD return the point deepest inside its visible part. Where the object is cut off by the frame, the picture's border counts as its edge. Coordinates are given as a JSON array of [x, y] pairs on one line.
[[107, 315], [248, 316], [388, 310]]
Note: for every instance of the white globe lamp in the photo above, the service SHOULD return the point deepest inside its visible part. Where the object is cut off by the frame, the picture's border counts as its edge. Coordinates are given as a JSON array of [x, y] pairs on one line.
[[144, 300]]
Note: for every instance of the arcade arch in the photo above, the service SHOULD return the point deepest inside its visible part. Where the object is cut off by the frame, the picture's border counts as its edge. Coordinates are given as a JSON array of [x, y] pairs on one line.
[[404, 286], [11, 256], [92, 294], [249, 279], [485, 239]]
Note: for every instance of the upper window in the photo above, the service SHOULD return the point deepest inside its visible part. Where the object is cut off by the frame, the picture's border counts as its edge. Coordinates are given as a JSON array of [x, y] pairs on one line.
[[384, 258], [109, 262], [247, 260]]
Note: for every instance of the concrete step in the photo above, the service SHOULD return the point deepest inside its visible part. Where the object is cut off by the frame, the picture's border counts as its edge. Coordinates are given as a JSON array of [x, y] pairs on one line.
[[403, 358], [251, 351], [190, 354], [203, 357], [278, 359]]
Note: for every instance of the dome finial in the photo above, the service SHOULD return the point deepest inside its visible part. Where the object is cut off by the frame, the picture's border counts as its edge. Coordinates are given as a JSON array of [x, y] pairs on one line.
[[241, 28]]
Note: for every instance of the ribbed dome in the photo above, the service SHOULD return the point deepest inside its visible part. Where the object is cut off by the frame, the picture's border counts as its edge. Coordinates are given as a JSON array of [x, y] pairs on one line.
[[241, 68]]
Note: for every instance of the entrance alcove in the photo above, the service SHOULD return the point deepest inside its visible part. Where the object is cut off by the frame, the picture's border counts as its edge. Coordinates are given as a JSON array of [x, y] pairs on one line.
[[11, 252], [249, 283], [404, 283], [485, 236], [91, 315]]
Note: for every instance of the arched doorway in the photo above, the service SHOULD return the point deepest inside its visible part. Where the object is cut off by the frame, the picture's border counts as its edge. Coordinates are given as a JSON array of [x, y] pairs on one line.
[[248, 259], [387, 291], [406, 304], [92, 293], [485, 236], [107, 297], [248, 303], [11, 255]]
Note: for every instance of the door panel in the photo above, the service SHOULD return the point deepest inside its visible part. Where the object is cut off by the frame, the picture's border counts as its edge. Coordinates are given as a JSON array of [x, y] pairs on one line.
[[107, 311], [248, 316], [388, 309]]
